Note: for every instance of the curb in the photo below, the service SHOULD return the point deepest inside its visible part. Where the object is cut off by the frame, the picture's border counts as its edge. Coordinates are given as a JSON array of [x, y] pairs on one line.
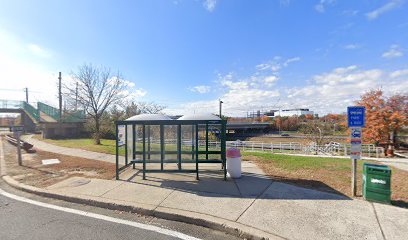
[[230, 227]]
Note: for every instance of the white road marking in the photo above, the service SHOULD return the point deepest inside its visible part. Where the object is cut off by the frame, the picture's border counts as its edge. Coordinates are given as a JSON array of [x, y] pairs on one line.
[[101, 217]]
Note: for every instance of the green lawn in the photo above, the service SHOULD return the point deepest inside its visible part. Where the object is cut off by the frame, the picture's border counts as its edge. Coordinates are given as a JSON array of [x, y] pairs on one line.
[[294, 163], [324, 173], [107, 146]]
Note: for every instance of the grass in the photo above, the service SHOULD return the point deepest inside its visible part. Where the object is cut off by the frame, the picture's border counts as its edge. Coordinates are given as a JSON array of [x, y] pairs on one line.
[[109, 146], [324, 173], [106, 146]]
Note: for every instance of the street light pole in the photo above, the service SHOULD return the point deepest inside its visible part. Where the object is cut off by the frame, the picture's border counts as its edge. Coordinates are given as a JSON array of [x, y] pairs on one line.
[[221, 102]]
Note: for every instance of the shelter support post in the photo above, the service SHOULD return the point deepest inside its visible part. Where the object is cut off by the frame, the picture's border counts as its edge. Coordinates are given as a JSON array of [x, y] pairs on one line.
[[179, 146], [196, 151], [134, 143], [144, 151], [126, 145], [223, 148], [148, 142], [206, 141], [117, 152], [161, 146]]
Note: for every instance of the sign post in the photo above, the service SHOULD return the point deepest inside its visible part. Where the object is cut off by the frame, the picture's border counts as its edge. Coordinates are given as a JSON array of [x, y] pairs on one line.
[[17, 130], [355, 120]]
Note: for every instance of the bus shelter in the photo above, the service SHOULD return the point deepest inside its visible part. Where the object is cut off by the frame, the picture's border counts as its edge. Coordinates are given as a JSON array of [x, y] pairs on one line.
[[160, 144]]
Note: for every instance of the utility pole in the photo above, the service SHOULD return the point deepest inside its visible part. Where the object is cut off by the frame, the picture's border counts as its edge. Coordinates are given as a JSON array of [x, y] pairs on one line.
[[60, 96], [26, 91], [221, 102]]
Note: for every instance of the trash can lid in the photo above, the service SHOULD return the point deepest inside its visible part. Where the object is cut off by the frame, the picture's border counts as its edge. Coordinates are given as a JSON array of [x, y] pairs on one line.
[[233, 153]]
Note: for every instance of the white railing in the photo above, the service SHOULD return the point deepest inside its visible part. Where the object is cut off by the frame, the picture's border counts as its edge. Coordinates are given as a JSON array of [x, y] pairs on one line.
[[330, 149]]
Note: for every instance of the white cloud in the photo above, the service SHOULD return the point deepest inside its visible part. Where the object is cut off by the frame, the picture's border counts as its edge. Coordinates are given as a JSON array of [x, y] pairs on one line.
[[270, 80], [38, 51], [210, 4], [352, 46], [276, 64], [323, 4], [393, 52], [383, 9], [200, 89], [399, 73], [329, 92]]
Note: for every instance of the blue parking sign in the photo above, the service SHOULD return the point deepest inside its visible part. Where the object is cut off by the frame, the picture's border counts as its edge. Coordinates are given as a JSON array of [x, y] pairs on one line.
[[356, 116]]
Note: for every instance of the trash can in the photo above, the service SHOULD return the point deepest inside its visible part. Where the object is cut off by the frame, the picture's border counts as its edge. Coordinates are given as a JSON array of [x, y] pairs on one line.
[[234, 162], [377, 183]]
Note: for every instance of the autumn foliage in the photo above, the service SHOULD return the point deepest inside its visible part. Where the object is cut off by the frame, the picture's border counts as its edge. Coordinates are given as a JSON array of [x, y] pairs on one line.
[[385, 116]]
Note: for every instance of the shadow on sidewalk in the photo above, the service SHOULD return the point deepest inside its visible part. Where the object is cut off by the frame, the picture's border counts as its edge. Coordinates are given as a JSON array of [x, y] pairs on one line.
[[250, 185]]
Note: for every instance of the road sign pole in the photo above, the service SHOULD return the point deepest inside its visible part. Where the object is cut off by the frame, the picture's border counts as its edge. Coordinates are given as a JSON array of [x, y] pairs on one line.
[[355, 120], [20, 160], [353, 177]]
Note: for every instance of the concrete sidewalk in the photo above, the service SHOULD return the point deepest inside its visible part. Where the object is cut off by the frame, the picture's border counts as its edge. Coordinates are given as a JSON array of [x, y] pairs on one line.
[[254, 204]]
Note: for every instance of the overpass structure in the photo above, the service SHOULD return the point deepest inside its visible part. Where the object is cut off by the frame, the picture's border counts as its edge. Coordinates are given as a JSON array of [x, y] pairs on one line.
[[244, 130], [45, 118]]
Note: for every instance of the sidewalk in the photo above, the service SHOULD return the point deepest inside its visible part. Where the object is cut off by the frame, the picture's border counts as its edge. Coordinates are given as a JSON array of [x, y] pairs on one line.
[[254, 204], [70, 151]]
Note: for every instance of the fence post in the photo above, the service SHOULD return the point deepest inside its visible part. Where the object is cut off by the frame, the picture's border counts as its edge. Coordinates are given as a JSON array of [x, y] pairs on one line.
[[345, 149], [280, 145], [272, 147], [262, 147]]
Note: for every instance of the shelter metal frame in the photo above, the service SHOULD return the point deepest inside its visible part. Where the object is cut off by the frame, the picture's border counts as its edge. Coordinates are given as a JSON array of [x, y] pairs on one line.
[[179, 123]]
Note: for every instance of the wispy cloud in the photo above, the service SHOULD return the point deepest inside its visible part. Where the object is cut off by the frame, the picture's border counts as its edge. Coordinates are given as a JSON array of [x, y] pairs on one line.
[[394, 52], [200, 89], [323, 4], [39, 51], [352, 46], [210, 4], [276, 64], [399, 73], [383, 9]]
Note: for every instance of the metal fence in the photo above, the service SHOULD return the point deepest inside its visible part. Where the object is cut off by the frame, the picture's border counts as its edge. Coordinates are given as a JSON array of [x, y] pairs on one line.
[[330, 149]]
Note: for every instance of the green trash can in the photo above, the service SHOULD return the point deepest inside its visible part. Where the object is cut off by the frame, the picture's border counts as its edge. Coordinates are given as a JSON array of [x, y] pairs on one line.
[[377, 183]]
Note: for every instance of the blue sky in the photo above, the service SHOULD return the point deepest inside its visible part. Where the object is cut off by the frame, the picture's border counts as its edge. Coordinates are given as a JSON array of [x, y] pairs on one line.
[[186, 54]]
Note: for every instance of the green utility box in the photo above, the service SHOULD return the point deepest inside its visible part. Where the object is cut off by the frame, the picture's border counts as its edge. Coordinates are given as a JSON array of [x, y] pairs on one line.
[[377, 183]]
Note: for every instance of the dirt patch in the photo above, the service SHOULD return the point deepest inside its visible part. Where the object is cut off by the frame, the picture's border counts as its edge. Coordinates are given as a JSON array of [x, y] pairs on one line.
[[334, 181], [34, 173]]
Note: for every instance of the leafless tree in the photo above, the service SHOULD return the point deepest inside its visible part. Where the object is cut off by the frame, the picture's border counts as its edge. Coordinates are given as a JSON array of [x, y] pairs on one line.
[[97, 90], [135, 108], [319, 133]]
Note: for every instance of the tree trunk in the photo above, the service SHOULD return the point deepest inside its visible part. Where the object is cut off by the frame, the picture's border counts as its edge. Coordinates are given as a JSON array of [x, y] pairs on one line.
[[97, 134]]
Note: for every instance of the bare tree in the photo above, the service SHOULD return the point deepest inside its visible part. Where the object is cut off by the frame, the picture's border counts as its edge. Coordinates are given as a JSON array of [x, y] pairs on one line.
[[317, 132], [135, 108], [97, 89]]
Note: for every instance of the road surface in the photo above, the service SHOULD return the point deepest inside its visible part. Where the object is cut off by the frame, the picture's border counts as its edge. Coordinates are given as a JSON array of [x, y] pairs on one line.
[[23, 216]]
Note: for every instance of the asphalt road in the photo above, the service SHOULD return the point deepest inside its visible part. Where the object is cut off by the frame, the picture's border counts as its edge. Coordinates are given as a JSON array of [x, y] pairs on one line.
[[21, 220], [25, 221]]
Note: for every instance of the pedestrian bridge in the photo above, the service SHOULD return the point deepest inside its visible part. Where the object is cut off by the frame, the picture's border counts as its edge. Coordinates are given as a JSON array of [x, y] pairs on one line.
[[43, 114]]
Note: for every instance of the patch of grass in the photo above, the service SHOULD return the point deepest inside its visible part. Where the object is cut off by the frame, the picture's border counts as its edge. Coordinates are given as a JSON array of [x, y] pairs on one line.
[[294, 163], [107, 146], [324, 173]]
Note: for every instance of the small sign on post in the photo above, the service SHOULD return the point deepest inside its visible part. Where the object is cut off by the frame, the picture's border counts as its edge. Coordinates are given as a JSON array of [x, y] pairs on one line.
[[121, 135], [17, 130], [355, 121]]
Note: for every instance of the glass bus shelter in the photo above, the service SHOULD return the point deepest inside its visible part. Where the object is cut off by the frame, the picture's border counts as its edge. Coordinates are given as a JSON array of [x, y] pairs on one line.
[[160, 144]]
